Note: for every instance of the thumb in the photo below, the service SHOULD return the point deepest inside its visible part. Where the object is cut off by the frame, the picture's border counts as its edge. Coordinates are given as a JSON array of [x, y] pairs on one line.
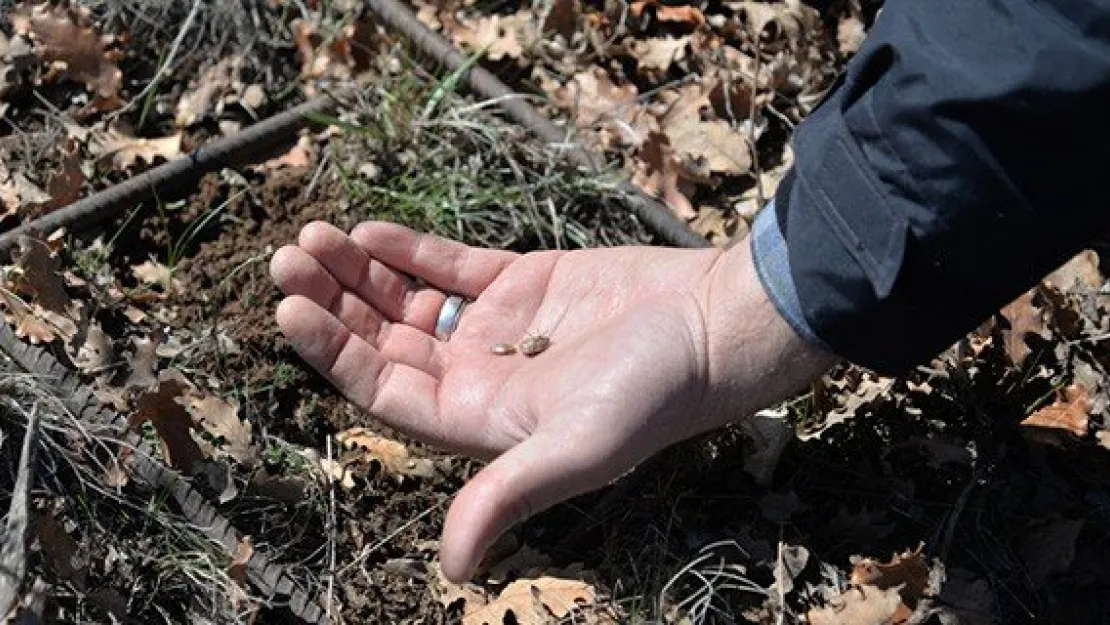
[[538, 473]]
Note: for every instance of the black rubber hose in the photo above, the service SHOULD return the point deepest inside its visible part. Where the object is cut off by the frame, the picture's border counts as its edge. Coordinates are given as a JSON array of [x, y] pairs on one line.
[[655, 215], [236, 149]]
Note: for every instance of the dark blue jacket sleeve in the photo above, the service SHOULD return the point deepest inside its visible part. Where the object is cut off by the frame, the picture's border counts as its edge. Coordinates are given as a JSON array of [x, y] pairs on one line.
[[961, 156]]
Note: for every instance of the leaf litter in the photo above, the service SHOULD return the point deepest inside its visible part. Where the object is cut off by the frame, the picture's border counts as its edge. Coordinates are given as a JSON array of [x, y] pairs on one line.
[[650, 88]]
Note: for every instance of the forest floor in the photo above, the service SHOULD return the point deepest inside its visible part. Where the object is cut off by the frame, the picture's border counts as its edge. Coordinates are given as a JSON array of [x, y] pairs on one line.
[[974, 490]]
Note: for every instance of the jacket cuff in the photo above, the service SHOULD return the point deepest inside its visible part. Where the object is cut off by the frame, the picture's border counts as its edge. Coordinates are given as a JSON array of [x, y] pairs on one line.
[[772, 264]]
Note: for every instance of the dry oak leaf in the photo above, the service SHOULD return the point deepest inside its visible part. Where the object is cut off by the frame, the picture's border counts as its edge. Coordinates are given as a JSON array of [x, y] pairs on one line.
[[595, 100], [1068, 412], [172, 423], [500, 36], [220, 418], [392, 455], [535, 601], [74, 48], [712, 144], [657, 54], [126, 151], [862, 605], [216, 81], [320, 57], [237, 571], [682, 14], [1081, 270], [65, 183], [880, 593], [39, 275], [907, 572], [562, 18], [1025, 319], [659, 175], [154, 272]]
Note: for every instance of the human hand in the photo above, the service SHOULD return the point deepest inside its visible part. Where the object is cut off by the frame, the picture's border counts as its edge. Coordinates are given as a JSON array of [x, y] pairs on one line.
[[649, 346]]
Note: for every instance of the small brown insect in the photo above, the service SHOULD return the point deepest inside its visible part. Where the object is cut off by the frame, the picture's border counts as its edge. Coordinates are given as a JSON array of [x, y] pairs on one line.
[[534, 344], [502, 349]]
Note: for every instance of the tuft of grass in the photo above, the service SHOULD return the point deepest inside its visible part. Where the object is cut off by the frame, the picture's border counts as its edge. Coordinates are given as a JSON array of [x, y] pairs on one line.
[[414, 151]]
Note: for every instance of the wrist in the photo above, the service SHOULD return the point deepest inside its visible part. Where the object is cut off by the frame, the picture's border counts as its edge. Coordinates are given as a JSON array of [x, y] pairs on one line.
[[755, 359]]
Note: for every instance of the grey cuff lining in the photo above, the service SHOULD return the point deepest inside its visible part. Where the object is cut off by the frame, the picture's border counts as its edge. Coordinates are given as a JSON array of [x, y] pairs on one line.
[[772, 265]]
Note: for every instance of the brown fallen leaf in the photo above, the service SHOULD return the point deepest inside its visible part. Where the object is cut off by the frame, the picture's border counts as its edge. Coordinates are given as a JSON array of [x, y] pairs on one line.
[[880, 593], [562, 19], [1067, 413], [907, 572], [125, 151], [713, 143], [155, 273], [65, 183], [63, 37], [220, 418], [334, 56], [501, 36], [658, 175], [95, 353], [680, 14], [237, 571], [392, 455], [655, 55], [1082, 271], [60, 549], [39, 276], [172, 423], [534, 601], [213, 84], [1025, 319], [862, 605], [141, 362]]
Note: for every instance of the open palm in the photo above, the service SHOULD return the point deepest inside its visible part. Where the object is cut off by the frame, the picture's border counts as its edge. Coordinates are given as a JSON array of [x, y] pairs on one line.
[[628, 352]]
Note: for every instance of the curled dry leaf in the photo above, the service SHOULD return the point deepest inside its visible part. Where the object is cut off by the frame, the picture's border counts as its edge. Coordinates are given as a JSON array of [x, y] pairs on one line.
[[880, 593], [501, 36], [339, 56], [125, 151], [38, 275], [95, 353], [680, 14], [562, 19], [172, 423], [220, 418], [214, 83], [713, 143], [533, 600], [1082, 271], [237, 571], [657, 54], [154, 272], [1025, 319], [63, 184], [659, 175], [62, 37], [1068, 413], [392, 455]]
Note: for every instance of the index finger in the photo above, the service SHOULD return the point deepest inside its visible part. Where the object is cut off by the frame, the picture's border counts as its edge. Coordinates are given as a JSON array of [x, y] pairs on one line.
[[447, 265]]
